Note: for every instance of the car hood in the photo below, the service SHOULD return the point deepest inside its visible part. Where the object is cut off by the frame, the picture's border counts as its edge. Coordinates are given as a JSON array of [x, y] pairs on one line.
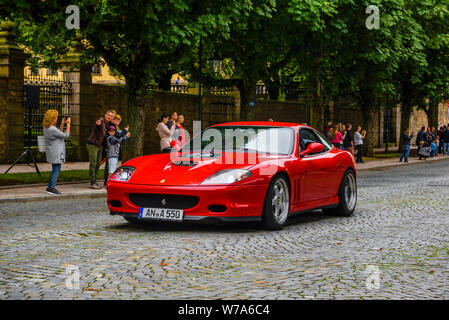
[[188, 169]]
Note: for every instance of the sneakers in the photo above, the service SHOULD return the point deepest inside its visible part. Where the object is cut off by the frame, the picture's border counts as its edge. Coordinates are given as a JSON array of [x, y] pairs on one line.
[[95, 186], [52, 191]]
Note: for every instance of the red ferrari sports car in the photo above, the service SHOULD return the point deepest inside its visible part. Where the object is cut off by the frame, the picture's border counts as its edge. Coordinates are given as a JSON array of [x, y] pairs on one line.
[[238, 171]]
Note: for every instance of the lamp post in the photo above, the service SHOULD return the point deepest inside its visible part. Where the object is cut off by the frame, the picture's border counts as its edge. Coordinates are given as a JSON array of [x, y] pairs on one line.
[[200, 53], [216, 62]]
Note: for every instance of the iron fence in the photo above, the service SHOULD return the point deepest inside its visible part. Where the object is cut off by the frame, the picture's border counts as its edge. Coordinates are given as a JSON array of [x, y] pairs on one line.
[[54, 93]]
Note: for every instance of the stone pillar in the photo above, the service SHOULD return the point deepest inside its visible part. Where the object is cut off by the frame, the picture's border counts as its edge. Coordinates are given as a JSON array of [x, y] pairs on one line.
[[12, 63], [80, 78]]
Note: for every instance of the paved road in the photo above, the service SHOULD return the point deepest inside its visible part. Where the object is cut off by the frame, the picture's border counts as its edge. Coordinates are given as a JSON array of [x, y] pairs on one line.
[[395, 246]]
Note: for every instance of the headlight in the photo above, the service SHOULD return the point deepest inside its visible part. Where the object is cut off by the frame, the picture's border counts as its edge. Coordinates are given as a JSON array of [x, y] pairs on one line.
[[227, 176], [123, 174]]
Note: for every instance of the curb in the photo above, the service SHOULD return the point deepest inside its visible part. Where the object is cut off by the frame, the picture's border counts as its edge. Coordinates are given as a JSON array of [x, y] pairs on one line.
[[55, 197], [41, 184], [401, 165]]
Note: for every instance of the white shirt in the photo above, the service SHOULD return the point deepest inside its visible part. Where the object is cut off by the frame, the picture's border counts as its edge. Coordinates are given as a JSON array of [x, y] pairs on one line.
[[358, 140]]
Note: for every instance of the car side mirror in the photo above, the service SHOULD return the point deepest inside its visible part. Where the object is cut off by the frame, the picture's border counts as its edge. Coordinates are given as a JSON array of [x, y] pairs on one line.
[[313, 147]]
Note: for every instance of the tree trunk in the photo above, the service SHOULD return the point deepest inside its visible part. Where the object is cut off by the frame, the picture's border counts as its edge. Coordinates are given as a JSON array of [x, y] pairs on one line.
[[317, 106], [273, 86], [432, 114], [368, 106], [247, 88], [164, 81], [135, 91], [407, 98]]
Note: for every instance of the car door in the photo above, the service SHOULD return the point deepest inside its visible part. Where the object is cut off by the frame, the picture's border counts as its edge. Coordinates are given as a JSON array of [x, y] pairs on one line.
[[318, 169]]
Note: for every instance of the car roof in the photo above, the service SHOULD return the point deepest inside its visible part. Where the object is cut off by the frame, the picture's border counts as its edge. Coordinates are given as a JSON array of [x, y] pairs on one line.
[[261, 123]]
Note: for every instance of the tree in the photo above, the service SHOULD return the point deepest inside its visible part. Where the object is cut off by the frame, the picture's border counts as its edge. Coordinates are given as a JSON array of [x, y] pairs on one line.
[[133, 37], [365, 60], [422, 79], [264, 41]]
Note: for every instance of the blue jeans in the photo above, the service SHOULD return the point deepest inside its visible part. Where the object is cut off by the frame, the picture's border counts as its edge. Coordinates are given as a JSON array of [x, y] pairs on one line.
[[445, 147], [56, 167], [405, 153]]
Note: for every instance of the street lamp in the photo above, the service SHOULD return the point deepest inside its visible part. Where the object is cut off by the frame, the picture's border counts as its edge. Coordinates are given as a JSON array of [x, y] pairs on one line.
[[216, 62]]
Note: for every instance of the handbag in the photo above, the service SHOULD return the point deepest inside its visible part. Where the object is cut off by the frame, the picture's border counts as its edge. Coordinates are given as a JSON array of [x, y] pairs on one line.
[[41, 144]]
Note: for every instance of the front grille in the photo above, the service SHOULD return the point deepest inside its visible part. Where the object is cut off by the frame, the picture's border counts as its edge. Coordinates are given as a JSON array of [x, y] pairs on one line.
[[171, 201]]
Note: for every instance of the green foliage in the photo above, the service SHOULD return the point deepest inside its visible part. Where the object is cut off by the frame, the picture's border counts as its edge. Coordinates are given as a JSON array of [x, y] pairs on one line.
[[325, 44]]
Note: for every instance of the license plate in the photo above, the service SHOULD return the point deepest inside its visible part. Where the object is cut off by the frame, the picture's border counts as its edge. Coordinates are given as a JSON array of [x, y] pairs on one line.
[[161, 214]]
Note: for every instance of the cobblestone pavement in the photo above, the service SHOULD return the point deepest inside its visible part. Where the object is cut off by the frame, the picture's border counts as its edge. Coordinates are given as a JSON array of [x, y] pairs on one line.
[[400, 231]]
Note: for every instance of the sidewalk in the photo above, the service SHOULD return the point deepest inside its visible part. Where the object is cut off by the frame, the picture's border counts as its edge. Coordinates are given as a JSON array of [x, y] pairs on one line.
[[81, 189]]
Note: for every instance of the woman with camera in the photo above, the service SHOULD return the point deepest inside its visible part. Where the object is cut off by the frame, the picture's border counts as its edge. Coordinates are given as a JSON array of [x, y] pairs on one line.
[[55, 145]]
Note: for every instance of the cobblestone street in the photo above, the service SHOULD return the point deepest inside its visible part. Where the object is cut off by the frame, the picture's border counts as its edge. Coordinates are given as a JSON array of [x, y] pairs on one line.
[[400, 229]]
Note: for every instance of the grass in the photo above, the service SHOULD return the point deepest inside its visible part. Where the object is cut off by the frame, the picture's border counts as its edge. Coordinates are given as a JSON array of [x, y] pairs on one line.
[[378, 156], [10, 179]]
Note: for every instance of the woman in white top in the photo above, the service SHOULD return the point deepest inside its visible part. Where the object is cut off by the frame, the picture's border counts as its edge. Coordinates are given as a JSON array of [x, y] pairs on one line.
[[55, 145], [165, 133], [358, 143]]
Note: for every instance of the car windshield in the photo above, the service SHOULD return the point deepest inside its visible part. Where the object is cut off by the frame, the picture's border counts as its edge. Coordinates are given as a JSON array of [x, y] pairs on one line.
[[259, 139]]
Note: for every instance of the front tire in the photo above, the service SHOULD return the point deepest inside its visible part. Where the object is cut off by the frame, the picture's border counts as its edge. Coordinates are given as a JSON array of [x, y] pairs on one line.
[[277, 204], [347, 196]]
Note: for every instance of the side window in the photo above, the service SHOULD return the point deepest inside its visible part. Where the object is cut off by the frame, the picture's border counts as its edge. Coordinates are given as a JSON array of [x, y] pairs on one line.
[[324, 141], [307, 136]]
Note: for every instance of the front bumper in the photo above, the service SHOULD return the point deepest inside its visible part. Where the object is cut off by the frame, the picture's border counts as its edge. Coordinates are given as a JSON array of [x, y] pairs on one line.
[[243, 203], [192, 218]]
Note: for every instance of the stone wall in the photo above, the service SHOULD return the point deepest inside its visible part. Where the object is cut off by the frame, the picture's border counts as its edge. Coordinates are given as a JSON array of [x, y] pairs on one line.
[[282, 111]]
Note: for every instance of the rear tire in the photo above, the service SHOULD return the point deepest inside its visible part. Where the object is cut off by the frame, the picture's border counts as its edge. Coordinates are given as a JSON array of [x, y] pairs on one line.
[[277, 204], [347, 196]]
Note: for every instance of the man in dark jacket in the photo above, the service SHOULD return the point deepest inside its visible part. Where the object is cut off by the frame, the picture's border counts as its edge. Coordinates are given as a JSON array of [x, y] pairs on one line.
[[406, 145], [94, 146], [445, 140], [172, 120], [348, 141], [420, 137]]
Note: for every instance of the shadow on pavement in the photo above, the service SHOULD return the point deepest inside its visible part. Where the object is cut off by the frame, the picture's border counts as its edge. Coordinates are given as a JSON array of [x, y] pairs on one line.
[[218, 227]]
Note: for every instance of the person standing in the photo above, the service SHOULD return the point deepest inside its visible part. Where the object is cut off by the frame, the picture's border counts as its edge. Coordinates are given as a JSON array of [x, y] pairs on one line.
[[179, 133], [348, 141], [433, 149], [55, 145], [358, 142], [165, 133], [440, 140], [336, 136], [113, 148], [420, 137], [95, 146], [172, 120], [445, 140], [406, 145]]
